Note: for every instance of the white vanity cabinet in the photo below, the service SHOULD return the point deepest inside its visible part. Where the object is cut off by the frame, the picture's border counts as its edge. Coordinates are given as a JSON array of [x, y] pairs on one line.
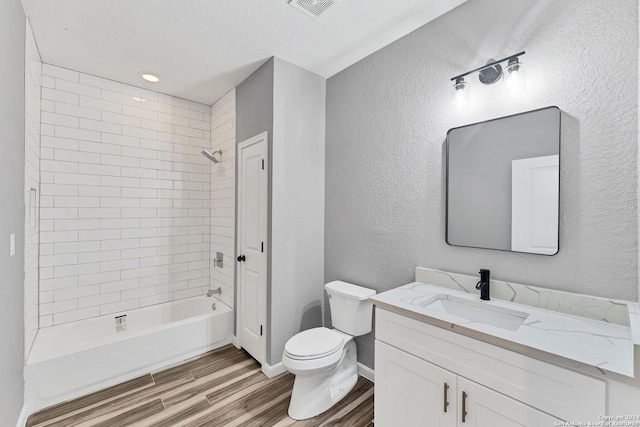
[[419, 365], [413, 392]]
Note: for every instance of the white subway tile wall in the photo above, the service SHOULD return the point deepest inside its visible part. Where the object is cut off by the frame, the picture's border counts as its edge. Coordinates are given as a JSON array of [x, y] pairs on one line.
[[125, 197], [33, 83], [223, 195]]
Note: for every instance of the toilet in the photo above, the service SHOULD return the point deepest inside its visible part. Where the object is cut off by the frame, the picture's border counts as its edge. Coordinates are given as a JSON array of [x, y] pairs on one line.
[[324, 360]]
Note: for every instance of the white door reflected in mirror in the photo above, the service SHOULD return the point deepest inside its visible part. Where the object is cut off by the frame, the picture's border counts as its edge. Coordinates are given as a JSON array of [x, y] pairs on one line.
[[534, 211]]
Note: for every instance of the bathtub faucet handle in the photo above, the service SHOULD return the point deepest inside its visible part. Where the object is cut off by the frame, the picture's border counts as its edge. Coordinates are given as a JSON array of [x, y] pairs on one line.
[[214, 292]]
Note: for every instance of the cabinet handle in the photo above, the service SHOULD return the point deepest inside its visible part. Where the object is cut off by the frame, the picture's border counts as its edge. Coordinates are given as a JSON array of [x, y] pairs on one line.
[[446, 403], [464, 406]]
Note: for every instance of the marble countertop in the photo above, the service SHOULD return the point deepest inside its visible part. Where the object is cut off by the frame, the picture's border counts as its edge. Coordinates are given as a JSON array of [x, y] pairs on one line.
[[598, 344]]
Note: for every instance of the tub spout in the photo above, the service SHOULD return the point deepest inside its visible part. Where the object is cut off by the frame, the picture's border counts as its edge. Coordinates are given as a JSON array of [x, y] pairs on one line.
[[214, 292]]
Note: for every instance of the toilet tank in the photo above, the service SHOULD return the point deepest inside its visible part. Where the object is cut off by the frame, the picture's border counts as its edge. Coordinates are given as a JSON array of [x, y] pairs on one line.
[[351, 312]]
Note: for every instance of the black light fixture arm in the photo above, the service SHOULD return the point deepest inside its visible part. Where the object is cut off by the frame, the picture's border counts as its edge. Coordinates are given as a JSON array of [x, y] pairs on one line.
[[488, 65]]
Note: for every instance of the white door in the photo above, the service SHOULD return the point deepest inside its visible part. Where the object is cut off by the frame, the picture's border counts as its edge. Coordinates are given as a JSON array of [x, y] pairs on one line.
[[252, 245], [412, 392], [534, 205], [484, 407]]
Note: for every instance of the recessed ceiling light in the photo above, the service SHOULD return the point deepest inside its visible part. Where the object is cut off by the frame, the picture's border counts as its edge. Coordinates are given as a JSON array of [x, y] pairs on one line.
[[150, 77]]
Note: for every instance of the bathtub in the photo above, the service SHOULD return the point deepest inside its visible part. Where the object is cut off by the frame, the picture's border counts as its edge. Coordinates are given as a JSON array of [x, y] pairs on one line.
[[74, 359]]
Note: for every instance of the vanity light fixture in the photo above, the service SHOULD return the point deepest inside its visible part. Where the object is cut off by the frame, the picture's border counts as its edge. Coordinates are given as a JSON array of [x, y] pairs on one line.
[[489, 74], [151, 78]]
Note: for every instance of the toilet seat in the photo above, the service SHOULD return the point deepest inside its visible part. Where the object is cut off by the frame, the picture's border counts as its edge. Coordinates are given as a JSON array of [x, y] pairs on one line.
[[314, 343]]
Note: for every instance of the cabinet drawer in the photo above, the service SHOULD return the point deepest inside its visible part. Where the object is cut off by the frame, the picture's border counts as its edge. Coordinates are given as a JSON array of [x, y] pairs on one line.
[[561, 392]]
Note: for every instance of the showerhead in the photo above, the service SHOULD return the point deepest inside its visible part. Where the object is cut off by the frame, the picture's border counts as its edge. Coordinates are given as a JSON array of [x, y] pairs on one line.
[[211, 156]]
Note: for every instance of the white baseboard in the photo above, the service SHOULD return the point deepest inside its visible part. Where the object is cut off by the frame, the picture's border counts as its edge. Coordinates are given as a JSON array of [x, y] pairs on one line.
[[24, 414], [273, 371], [236, 342], [366, 372]]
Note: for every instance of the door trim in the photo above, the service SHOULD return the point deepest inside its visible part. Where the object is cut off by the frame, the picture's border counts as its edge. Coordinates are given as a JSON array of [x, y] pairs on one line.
[[262, 137]]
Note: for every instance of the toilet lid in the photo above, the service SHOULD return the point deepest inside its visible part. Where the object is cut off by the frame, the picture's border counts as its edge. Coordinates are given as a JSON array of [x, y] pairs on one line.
[[316, 342]]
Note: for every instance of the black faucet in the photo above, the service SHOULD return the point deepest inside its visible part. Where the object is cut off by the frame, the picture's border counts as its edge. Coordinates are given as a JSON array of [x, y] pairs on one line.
[[484, 284]]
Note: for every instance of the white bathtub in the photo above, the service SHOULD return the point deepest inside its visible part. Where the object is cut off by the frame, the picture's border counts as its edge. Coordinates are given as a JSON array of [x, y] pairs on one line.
[[74, 359]]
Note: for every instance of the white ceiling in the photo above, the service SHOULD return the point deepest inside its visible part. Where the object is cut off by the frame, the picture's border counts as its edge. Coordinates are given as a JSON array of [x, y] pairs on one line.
[[202, 48]]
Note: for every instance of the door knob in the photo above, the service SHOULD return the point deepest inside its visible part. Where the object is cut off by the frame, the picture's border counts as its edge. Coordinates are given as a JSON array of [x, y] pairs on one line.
[[241, 258]]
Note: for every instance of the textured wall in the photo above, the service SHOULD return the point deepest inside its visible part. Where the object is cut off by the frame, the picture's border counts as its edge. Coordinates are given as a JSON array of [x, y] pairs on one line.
[[223, 195], [387, 117], [254, 103], [12, 139], [297, 231], [33, 87], [125, 200]]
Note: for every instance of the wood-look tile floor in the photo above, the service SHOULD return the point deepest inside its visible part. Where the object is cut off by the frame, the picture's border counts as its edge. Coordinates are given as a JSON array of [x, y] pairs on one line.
[[224, 387]]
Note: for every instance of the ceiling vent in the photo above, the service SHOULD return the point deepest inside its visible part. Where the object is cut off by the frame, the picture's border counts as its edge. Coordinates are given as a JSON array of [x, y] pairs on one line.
[[313, 8]]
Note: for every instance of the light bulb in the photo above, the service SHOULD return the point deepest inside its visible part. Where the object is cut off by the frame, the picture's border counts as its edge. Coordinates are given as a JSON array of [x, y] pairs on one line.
[[514, 77], [462, 94]]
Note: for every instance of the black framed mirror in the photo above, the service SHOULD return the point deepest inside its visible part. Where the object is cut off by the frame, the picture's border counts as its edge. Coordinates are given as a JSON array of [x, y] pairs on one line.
[[503, 183]]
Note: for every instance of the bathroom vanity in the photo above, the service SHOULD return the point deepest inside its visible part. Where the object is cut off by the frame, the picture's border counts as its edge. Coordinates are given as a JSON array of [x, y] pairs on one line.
[[528, 357]]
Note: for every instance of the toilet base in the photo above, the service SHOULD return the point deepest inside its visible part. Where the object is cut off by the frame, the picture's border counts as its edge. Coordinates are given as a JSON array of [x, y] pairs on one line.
[[314, 394]]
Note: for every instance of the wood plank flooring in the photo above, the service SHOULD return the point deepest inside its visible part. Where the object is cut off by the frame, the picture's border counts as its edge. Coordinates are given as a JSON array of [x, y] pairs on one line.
[[224, 387]]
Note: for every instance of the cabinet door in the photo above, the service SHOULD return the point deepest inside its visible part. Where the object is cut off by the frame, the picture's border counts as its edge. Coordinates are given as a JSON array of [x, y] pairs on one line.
[[485, 407], [410, 392]]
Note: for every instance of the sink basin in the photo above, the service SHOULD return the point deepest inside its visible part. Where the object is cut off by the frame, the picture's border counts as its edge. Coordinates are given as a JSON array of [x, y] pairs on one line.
[[476, 311]]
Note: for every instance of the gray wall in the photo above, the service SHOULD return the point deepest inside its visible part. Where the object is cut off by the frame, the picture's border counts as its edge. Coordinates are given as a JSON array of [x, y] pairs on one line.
[[480, 181], [254, 103], [12, 51], [387, 117], [289, 103], [297, 241]]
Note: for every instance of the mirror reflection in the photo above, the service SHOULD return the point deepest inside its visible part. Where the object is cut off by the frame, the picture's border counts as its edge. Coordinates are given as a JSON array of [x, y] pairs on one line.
[[503, 180]]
